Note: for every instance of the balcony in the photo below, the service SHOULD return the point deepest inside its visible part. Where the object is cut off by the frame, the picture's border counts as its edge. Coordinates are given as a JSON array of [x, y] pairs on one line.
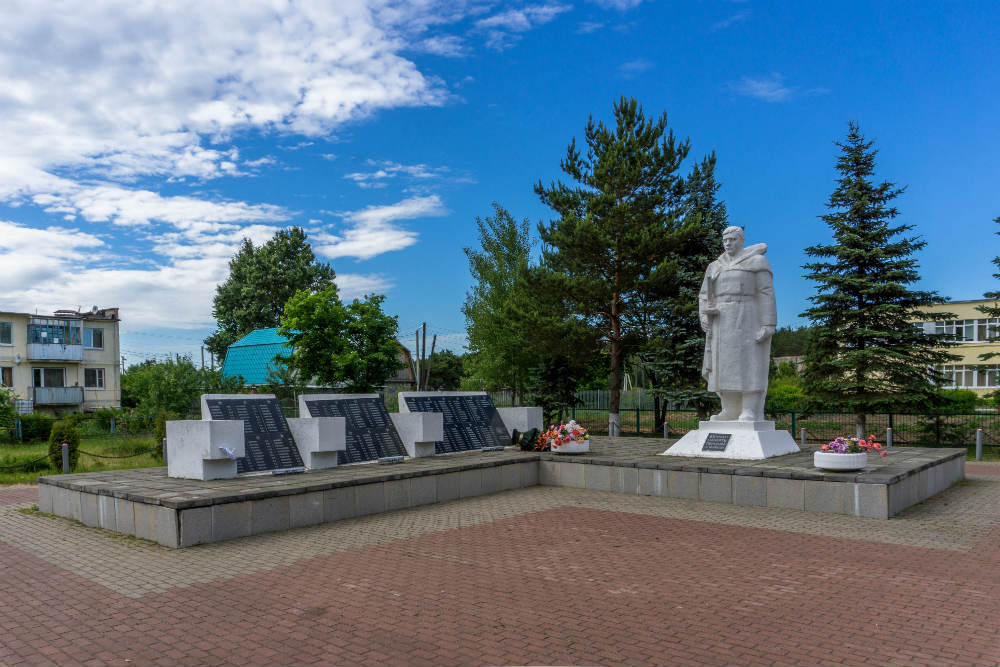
[[54, 352], [58, 395]]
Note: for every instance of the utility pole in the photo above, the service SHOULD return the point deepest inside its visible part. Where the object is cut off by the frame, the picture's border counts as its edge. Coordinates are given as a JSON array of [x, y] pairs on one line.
[[202, 357]]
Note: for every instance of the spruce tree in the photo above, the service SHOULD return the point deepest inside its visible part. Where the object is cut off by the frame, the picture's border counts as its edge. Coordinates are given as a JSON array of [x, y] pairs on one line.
[[615, 248], [866, 354], [992, 310]]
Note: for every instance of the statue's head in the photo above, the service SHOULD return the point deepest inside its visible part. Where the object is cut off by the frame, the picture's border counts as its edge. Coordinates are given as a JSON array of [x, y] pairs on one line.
[[733, 239]]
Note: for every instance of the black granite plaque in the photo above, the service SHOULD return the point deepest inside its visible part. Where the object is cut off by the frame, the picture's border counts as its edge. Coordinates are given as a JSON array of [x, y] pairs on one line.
[[269, 443], [371, 434], [716, 442], [470, 422]]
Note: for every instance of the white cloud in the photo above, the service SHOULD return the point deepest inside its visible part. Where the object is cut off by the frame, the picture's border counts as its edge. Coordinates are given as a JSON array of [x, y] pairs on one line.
[[450, 46], [732, 20], [771, 88], [587, 27], [357, 285], [634, 68], [386, 169], [620, 5], [501, 29], [372, 230], [104, 102]]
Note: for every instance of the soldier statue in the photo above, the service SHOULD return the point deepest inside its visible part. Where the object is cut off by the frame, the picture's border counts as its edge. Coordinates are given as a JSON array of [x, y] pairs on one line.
[[738, 314]]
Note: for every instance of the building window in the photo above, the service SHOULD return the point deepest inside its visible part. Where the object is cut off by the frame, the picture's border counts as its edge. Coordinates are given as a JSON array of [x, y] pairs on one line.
[[969, 331], [960, 376], [93, 338], [6, 333], [93, 378], [55, 332], [49, 377], [6, 376]]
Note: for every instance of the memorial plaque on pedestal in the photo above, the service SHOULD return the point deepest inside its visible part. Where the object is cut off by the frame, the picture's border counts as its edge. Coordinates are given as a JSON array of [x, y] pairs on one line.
[[470, 421], [370, 432], [716, 442], [269, 443]]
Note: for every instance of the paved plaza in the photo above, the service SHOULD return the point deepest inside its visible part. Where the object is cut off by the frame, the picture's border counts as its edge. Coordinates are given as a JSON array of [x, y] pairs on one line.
[[541, 575]]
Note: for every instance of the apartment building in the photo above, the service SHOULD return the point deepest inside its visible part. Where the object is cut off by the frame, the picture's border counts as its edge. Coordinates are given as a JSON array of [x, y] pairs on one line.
[[976, 335], [66, 362]]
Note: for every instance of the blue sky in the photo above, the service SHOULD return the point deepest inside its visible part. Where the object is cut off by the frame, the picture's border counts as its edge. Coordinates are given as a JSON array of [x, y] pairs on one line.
[[139, 144]]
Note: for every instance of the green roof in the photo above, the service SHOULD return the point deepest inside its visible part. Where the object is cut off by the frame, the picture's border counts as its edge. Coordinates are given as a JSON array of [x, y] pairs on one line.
[[253, 355]]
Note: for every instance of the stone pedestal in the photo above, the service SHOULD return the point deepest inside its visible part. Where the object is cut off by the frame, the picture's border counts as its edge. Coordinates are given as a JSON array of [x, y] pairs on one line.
[[418, 431], [734, 440], [523, 419], [319, 439], [204, 449]]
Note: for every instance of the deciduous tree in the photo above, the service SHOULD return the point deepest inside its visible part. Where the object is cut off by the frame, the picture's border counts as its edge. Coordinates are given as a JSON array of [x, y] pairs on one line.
[[261, 280], [350, 346]]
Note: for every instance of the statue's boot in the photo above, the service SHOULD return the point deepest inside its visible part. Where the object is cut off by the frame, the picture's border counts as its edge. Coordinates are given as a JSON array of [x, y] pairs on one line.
[[752, 406], [730, 406]]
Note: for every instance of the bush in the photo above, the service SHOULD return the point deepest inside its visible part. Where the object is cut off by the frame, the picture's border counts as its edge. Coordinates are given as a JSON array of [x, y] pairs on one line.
[[784, 398], [64, 430], [959, 401], [162, 417], [36, 427], [104, 417]]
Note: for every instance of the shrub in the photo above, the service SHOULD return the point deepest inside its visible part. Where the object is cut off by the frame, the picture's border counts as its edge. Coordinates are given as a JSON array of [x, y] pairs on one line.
[[36, 426], [959, 401], [784, 398], [64, 431], [104, 416]]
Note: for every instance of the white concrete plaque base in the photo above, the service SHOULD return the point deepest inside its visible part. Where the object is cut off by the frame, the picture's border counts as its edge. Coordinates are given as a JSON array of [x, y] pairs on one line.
[[747, 440]]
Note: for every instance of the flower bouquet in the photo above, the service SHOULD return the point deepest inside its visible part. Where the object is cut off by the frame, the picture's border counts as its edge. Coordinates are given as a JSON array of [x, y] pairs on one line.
[[568, 438], [847, 453]]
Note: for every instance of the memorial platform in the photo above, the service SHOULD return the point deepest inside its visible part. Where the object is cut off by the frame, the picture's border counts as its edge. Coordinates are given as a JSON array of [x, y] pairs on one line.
[[182, 512]]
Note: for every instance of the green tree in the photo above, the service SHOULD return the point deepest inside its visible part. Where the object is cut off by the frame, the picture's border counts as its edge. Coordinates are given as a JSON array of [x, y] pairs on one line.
[[497, 341], [864, 353], [615, 249], [261, 280], [350, 346], [789, 342], [671, 355], [994, 310], [8, 409], [173, 386], [446, 371]]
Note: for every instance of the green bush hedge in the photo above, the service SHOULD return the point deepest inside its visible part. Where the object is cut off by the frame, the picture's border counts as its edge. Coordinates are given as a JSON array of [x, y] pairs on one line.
[[64, 430], [36, 427]]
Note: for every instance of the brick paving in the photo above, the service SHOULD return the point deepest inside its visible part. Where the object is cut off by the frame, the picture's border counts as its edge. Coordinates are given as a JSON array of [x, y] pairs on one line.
[[535, 576]]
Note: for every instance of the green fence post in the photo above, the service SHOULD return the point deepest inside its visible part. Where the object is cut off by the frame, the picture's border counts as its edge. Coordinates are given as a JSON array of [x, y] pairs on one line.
[[891, 425], [638, 424], [793, 421], [937, 429]]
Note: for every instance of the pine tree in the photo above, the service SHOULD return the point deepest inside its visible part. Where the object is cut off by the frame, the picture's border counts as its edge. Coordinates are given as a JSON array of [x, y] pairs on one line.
[[672, 354], [865, 354], [614, 249]]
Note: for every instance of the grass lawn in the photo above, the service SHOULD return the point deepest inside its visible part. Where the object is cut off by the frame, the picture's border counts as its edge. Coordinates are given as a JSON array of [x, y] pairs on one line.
[[12, 454]]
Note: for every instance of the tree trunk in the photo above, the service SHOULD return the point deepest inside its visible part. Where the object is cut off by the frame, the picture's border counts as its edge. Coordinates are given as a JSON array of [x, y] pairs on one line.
[[614, 400], [861, 424]]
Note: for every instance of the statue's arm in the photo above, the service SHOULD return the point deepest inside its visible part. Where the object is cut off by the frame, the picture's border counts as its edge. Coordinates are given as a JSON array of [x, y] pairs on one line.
[[767, 310], [704, 304]]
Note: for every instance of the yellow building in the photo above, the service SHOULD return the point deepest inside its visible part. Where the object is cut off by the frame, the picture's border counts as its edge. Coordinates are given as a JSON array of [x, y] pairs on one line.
[[66, 362], [972, 330]]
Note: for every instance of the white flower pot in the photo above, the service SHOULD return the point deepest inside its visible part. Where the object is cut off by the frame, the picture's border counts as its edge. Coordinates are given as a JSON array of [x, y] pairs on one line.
[[572, 447], [835, 461]]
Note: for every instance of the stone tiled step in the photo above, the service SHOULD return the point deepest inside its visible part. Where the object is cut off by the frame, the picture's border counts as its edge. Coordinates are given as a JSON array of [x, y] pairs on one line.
[[179, 513]]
